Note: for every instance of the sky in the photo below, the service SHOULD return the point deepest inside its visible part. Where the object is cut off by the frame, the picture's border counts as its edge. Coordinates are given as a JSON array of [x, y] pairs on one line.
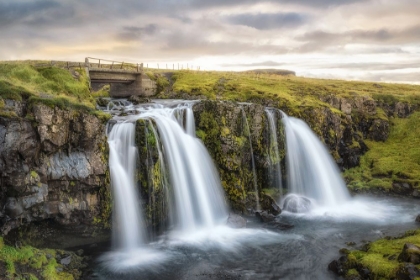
[[372, 40]]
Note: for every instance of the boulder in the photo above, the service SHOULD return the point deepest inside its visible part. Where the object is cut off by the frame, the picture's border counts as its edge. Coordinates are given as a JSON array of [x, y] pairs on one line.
[[418, 218], [268, 204], [297, 204], [338, 266], [407, 271], [138, 99], [264, 216], [410, 253], [235, 221]]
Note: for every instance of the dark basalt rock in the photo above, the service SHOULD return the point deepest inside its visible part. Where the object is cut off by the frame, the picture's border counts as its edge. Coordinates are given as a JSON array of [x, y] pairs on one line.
[[138, 99], [13, 208], [338, 266], [297, 204], [52, 166], [268, 203], [407, 271], [264, 216], [410, 253]]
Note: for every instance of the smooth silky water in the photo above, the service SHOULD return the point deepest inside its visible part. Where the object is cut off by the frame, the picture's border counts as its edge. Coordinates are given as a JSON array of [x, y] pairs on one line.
[[200, 247]]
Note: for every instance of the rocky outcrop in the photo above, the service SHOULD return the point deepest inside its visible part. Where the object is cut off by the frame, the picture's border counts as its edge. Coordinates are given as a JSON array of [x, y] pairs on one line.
[[52, 166]]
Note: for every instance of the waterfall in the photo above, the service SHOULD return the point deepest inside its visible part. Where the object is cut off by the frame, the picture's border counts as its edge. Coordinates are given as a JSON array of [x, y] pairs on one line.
[[128, 225], [198, 199], [273, 155], [311, 170], [254, 173], [196, 196]]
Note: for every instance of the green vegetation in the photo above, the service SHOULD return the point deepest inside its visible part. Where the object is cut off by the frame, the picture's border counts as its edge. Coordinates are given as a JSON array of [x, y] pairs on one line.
[[395, 160], [288, 91], [381, 256], [37, 263], [52, 86]]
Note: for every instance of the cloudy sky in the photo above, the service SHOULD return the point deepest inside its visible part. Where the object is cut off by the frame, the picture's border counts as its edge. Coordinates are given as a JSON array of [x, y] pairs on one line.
[[375, 40]]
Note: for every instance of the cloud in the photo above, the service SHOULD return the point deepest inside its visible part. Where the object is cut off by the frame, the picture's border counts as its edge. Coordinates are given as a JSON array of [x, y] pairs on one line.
[[374, 66], [17, 11], [131, 33], [320, 40], [268, 21], [226, 3]]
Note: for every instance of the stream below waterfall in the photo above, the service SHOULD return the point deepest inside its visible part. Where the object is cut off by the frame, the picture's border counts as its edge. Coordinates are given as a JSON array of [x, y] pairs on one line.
[[262, 251]]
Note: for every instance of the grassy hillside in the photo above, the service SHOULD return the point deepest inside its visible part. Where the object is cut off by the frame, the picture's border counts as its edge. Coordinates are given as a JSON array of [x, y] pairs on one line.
[[287, 90], [49, 85]]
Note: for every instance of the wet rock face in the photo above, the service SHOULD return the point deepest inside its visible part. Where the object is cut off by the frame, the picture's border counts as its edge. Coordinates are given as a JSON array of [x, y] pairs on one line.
[[52, 165]]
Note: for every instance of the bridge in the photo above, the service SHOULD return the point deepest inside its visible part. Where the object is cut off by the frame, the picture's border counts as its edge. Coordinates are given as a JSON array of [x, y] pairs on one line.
[[125, 79]]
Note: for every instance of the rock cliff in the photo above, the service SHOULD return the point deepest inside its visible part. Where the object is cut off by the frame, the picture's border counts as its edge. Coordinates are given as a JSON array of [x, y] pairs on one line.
[[52, 166]]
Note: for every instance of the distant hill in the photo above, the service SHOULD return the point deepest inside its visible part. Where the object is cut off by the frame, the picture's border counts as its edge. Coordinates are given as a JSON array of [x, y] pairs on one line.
[[281, 72]]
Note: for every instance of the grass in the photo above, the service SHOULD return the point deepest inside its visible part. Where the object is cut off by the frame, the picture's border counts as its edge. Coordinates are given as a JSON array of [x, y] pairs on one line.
[[288, 91], [381, 256], [52, 86], [395, 160]]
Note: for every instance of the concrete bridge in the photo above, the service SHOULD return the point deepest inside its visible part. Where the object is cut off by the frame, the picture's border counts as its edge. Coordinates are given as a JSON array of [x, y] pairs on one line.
[[125, 79]]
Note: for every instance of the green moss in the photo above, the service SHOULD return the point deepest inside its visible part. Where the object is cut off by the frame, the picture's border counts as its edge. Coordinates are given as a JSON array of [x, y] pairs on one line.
[[396, 159], [34, 174], [201, 134], [352, 272], [381, 257], [40, 260]]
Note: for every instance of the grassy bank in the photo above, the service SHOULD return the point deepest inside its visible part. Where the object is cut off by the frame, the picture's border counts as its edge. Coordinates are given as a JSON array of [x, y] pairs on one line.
[[52, 86], [395, 161]]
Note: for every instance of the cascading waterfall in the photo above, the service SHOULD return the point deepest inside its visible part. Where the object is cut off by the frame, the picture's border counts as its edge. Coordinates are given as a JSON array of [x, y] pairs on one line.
[[128, 221], [273, 150], [311, 170], [254, 173], [198, 200]]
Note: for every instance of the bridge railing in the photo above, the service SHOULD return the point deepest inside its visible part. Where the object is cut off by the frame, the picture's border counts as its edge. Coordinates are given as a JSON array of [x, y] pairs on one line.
[[92, 62]]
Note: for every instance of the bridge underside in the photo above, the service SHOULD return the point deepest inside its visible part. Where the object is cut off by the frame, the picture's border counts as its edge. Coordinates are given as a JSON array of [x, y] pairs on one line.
[[122, 83]]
